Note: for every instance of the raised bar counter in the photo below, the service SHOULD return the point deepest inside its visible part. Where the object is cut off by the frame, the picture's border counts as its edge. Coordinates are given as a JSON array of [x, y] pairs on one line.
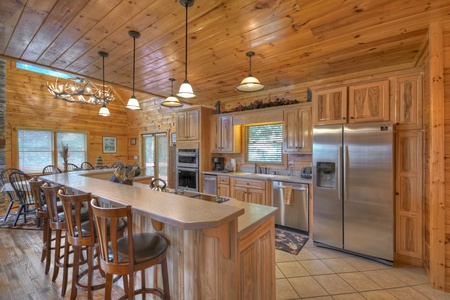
[[217, 251]]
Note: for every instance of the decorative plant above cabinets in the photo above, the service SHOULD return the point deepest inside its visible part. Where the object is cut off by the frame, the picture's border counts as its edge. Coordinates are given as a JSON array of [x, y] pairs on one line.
[[260, 104]]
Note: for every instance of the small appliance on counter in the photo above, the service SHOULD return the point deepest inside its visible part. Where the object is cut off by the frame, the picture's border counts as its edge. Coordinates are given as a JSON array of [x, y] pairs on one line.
[[218, 163], [306, 172]]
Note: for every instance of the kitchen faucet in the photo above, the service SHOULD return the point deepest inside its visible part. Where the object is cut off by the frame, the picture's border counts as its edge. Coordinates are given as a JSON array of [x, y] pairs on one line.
[[256, 168]]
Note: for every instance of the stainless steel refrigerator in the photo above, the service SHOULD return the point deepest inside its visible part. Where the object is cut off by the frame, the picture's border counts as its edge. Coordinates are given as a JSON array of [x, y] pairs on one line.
[[353, 190]]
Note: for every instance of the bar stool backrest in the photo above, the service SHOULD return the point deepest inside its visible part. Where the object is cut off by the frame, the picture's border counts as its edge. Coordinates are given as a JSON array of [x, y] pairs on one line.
[[73, 206], [51, 193], [36, 193], [109, 256]]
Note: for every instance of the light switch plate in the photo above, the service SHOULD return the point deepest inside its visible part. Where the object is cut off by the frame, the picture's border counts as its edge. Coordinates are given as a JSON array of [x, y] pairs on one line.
[[135, 157]]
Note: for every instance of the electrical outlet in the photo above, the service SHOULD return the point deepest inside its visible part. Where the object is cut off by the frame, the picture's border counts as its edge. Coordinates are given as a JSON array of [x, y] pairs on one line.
[[291, 163], [135, 157]]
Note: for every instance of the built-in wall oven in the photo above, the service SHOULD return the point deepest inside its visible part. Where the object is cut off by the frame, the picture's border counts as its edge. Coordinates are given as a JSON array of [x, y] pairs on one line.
[[187, 169]]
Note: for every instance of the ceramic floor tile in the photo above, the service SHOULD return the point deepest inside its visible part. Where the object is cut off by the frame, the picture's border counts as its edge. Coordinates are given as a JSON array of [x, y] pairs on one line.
[[334, 284], [319, 298], [378, 295], [407, 293], [360, 282], [353, 296], [285, 290], [316, 267], [427, 290], [305, 254], [338, 265], [292, 269], [409, 275], [283, 256], [323, 252], [384, 279], [307, 287], [362, 264], [278, 273]]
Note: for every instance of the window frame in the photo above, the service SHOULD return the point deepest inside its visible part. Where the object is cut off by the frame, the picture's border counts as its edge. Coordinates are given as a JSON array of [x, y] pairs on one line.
[[56, 159], [246, 144]]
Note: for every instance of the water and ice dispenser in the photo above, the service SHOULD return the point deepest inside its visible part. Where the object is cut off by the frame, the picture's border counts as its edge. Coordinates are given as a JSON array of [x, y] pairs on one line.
[[326, 174]]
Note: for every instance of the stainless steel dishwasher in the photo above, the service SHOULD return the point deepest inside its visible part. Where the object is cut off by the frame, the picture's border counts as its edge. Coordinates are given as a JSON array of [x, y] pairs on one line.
[[293, 212], [210, 184]]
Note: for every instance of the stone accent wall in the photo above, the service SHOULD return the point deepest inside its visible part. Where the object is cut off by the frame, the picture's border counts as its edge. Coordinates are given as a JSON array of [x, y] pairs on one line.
[[2, 125]]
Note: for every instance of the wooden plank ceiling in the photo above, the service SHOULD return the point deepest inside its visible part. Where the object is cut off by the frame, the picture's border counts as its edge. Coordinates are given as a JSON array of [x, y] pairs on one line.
[[295, 41]]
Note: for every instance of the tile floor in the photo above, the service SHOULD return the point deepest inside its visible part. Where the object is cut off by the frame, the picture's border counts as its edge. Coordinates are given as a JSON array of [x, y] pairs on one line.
[[324, 274]]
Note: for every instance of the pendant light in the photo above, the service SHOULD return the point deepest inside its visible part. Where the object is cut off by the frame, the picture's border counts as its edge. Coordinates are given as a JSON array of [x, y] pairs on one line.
[[172, 101], [133, 103], [250, 83], [186, 90], [104, 111]]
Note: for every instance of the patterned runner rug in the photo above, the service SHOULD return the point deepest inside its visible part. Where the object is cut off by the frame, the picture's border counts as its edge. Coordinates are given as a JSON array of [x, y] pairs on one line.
[[289, 241], [30, 224]]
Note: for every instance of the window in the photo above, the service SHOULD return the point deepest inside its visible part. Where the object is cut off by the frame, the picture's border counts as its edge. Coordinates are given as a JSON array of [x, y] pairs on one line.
[[264, 143], [155, 154], [37, 149], [41, 70]]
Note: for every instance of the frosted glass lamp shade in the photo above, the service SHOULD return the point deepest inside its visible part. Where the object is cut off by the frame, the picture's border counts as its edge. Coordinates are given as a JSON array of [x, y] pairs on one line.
[[172, 101], [250, 84], [104, 112], [186, 90], [133, 104]]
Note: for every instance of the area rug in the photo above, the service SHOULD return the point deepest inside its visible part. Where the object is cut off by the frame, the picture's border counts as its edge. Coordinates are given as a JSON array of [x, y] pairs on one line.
[[289, 241], [29, 225]]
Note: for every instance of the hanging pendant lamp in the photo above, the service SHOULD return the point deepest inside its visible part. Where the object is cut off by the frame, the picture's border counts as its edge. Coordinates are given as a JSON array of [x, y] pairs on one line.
[[104, 111], [133, 103], [250, 83], [172, 101], [186, 90]]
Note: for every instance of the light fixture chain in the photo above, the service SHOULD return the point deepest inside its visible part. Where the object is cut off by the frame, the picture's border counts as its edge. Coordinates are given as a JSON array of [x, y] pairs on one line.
[[186, 38], [134, 61]]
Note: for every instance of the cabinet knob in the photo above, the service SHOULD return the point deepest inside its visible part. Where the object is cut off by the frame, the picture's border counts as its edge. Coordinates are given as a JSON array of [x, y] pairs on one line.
[[248, 183], [351, 118], [343, 118], [397, 193]]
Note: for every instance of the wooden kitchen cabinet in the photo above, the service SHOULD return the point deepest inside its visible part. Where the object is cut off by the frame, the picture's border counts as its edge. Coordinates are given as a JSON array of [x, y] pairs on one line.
[[408, 102], [297, 130], [226, 138], [223, 186], [330, 105], [250, 190], [368, 102], [408, 197], [365, 102], [188, 125]]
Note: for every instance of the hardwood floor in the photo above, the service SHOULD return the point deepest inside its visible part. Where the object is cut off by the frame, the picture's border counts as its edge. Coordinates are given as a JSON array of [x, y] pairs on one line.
[[22, 274]]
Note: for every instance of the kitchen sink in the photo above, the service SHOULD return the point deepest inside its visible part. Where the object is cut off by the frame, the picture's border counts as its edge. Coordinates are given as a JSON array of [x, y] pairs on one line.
[[264, 175]]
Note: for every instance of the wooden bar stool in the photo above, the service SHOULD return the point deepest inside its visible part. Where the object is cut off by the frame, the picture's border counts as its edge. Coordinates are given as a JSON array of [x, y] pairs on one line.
[[42, 214], [82, 239], [129, 254], [58, 225]]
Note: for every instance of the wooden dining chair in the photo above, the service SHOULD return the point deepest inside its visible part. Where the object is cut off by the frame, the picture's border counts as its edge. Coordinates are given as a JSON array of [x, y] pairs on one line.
[[50, 169], [87, 166], [19, 182], [71, 167], [129, 254], [13, 199]]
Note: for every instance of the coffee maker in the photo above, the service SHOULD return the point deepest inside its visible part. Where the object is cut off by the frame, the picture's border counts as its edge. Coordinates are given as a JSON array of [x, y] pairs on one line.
[[218, 163]]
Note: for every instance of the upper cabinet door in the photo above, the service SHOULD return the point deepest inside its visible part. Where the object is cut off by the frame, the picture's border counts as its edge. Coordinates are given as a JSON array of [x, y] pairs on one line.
[[330, 106], [297, 130], [193, 125], [408, 102], [181, 126], [369, 102]]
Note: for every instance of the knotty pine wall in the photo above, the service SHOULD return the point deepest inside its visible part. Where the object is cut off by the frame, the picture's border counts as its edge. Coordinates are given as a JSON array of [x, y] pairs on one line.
[[30, 105], [446, 44]]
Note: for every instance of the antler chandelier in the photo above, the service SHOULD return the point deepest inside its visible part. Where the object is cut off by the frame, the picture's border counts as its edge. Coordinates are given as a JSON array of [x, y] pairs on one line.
[[81, 90]]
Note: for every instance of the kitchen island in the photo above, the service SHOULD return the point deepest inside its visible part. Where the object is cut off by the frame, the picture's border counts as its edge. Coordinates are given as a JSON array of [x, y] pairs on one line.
[[216, 251]]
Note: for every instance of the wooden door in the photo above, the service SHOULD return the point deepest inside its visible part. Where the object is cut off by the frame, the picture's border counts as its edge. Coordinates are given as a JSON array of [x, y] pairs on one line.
[[181, 126], [408, 102], [408, 204], [305, 134], [240, 193], [369, 102], [215, 134], [223, 190], [226, 136], [330, 105], [256, 196], [290, 131], [193, 125]]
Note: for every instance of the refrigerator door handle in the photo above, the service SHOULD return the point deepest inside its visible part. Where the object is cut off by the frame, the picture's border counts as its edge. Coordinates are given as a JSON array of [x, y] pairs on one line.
[[346, 161], [338, 171]]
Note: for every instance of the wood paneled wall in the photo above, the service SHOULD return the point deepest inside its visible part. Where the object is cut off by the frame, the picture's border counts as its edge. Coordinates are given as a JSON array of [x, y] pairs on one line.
[[446, 60]]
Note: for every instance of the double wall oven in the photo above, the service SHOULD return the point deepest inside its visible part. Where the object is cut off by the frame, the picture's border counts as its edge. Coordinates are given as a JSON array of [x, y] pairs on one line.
[[187, 169]]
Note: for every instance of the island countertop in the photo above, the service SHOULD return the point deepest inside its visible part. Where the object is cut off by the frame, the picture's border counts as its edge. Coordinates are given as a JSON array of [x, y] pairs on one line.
[[176, 210]]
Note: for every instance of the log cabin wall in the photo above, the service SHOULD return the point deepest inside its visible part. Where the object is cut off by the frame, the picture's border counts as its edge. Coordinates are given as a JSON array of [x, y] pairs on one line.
[[30, 105], [446, 60]]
